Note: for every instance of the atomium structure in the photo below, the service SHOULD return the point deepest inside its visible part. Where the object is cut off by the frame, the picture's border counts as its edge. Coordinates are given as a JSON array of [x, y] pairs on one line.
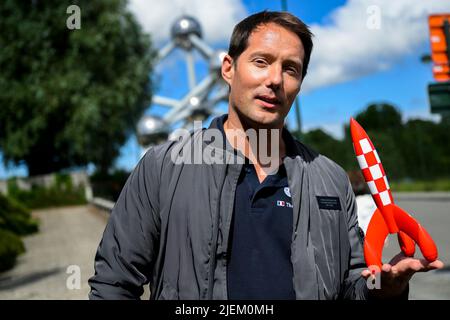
[[201, 100]]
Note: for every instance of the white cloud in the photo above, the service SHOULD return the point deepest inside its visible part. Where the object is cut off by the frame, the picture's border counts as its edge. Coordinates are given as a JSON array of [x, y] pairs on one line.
[[217, 17], [356, 43]]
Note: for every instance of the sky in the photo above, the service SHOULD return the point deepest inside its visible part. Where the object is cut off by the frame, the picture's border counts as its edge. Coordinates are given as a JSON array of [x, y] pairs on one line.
[[364, 51]]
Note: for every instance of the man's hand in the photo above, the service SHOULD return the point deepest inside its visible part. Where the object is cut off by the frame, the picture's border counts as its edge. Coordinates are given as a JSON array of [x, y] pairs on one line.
[[396, 274]]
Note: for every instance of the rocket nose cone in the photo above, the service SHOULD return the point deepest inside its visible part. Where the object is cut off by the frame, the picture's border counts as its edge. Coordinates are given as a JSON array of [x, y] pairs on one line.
[[353, 127], [356, 130], [354, 123]]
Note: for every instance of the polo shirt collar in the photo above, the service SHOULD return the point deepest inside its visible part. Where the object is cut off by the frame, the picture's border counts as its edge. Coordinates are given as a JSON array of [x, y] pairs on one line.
[[292, 150]]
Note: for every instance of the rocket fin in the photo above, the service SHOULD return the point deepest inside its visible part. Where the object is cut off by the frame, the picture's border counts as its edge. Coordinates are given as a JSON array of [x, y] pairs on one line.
[[376, 234], [407, 244], [409, 225]]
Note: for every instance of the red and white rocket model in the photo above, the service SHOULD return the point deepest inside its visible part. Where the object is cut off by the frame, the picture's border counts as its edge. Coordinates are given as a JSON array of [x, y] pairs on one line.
[[387, 218]]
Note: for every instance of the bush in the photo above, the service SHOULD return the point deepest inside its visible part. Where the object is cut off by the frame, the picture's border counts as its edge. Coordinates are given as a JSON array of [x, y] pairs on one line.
[[15, 221], [421, 185], [109, 186], [61, 193], [16, 218], [10, 247]]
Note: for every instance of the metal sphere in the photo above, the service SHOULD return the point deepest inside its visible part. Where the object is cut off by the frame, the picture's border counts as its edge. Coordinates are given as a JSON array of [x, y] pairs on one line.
[[199, 111], [151, 130], [182, 28], [194, 101], [200, 114]]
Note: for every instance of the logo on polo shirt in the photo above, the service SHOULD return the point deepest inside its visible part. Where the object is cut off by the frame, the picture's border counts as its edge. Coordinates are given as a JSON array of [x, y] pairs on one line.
[[281, 203], [287, 191]]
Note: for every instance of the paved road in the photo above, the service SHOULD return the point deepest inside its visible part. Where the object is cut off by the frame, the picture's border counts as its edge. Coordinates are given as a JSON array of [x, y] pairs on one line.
[[70, 236], [433, 212]]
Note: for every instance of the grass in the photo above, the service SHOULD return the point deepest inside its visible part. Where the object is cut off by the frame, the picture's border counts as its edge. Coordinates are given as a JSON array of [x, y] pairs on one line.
[[421, 185]]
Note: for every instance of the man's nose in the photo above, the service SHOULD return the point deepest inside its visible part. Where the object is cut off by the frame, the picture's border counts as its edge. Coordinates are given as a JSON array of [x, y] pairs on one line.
[[275, 77]]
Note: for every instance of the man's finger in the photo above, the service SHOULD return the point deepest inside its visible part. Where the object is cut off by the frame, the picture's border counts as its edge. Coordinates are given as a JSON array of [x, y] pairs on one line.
[[405, 268], [386, 268], [424, 265], [366, 273]]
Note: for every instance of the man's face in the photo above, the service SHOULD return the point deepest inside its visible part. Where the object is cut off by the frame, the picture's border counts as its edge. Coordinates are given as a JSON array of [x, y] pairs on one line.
[[266, 77]]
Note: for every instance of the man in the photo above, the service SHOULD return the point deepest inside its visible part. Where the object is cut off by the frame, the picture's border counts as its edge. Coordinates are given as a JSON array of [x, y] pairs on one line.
[[282, 226]]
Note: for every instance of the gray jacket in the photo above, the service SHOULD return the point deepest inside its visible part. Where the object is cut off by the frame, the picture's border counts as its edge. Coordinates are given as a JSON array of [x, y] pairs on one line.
[[171, 223]]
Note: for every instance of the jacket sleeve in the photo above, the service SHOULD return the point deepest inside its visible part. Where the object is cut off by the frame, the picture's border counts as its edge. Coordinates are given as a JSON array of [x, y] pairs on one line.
[[126, 253], [354, 286]]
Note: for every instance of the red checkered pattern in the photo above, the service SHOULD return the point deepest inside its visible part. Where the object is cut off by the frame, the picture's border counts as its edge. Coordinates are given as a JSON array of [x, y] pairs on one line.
[[373, 171]]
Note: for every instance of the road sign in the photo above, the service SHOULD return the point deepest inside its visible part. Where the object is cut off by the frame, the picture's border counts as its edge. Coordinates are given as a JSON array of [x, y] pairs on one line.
[[439, 95], [439, 25]]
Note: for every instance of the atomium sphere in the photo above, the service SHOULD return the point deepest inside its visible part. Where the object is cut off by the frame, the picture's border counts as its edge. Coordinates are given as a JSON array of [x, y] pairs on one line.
[[215, 63], [194, 101], [182, 28], [200, 114], [151, 130]]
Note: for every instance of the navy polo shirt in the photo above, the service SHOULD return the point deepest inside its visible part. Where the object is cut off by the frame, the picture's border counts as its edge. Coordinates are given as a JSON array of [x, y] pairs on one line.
[[259, 265]]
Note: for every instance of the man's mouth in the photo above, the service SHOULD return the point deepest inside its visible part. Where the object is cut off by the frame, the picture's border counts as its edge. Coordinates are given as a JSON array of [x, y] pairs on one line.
[[268, 101]]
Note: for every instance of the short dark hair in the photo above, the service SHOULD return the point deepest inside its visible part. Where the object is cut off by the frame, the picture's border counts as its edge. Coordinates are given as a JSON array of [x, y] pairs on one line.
[[243, 30]]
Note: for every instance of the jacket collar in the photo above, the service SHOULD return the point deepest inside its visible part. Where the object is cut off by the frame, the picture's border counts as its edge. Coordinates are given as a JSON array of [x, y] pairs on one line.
[[292, 149]]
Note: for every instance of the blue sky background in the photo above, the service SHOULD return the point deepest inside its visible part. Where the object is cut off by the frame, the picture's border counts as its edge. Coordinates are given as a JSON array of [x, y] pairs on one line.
[[402, 82]]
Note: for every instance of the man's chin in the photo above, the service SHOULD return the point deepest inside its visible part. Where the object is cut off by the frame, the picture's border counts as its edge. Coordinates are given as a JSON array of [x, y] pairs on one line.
[[267, 120]]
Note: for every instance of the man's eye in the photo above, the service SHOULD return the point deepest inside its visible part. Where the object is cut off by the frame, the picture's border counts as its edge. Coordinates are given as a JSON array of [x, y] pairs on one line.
[[260, 62], [293, 71]]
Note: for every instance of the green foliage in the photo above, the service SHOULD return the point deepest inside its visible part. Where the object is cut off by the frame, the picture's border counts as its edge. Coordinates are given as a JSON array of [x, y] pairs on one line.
[[388, 148], [16, 218], [416, 151], [15, 221], [70, 97], [108, 185], [421, 185], [10, 247], [327, 145], [426, 145], [61, 193], [380, 117]]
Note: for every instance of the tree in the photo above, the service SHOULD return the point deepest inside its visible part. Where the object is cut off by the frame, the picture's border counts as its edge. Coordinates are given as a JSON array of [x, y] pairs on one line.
[[70, 97], [380, 116], [322, 142], [383, 124], [425, 146], [390, 153]]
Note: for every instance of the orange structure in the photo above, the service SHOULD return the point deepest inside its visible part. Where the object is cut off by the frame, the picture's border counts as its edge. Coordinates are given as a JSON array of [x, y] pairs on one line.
[[439, 25]]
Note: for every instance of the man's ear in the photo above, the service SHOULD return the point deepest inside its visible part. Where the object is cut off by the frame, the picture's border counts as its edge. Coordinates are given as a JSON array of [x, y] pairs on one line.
[[227, 69]]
